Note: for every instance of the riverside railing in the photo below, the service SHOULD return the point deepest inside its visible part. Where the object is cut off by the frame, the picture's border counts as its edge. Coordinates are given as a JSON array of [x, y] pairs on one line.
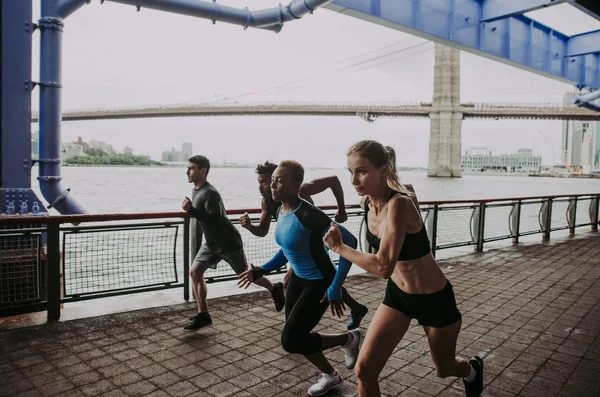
[[46, 261]]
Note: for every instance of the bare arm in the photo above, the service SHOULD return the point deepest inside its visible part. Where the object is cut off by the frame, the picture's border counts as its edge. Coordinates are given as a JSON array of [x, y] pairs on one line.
[[382, 263], [264, 223], [319, 185]]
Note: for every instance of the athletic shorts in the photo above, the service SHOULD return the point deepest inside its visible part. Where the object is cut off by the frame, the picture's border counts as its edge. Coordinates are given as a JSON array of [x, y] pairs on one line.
[[208, 258], [436, 310]]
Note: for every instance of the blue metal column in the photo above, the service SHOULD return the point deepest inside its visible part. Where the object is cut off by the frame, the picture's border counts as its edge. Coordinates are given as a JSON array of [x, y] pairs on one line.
[[51, 31], [15, 108]]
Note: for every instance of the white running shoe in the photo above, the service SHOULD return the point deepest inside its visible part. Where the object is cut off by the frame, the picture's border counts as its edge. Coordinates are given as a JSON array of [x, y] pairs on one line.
[[326, 383], [351, 348]]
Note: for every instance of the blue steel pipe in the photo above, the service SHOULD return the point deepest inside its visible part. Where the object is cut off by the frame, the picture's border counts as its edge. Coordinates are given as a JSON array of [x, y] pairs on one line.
[[51, 30], [592, 96], [586, 100], [269, 19], [590, 106], [64, 8]]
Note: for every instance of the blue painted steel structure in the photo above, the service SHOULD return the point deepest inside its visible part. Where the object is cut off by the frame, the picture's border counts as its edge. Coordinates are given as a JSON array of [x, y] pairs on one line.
[[590, 101], [493, 28], [50, 85], [15, 108], [15, 135], [269, 19]]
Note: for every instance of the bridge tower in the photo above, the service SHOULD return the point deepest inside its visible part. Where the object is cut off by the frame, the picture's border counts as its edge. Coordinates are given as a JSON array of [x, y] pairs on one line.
[[445, 116]]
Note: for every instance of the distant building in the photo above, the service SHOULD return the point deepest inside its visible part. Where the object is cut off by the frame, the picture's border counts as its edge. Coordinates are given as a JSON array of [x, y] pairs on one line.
[[572, 138], [187, 150], [99, 145], [172, 156], [590, 146], [176, 156], [81, 143], [80, 147], [128, 151], [481, 159], [580, 143], [72, 149]]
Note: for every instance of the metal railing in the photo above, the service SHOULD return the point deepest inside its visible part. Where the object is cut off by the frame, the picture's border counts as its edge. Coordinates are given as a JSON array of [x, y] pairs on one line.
[[452, 224], [46, 262]]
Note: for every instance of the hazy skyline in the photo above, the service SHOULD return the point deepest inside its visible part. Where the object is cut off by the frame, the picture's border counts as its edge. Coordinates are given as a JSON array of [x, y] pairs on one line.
[[115, 56]]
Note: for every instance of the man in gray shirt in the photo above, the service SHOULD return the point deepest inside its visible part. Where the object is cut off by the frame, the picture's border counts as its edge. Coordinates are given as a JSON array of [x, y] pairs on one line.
[[222, 241]]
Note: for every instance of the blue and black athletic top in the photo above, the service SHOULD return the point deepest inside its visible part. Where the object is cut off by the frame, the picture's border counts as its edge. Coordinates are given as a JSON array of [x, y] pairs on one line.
[[300, 236]]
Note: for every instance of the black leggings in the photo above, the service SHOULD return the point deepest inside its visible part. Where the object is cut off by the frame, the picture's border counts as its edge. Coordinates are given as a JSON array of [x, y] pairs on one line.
[[303, 311]]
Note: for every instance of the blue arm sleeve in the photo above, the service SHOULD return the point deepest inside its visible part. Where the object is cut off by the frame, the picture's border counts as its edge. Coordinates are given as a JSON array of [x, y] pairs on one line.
[[275, 262], [334, 292]]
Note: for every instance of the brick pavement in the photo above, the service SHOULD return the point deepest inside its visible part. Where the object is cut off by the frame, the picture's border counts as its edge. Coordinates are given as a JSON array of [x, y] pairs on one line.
[[532, 311]]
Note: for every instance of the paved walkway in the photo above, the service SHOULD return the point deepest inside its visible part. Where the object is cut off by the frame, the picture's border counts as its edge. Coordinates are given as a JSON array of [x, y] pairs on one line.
[[532, 311]]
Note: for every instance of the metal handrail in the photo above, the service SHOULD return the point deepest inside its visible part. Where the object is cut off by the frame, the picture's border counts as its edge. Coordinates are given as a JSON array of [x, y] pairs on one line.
[[51, 219], [445, 228]]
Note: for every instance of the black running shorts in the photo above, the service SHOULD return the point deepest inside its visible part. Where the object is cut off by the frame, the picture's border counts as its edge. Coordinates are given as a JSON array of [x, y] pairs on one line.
[[436, 310]]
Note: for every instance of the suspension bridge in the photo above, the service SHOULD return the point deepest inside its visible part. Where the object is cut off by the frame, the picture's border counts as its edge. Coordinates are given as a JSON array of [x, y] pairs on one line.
[[368, 111]]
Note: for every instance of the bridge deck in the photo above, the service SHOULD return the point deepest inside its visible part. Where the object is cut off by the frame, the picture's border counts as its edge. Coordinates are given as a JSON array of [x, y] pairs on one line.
[[469, 110], [531, 310]]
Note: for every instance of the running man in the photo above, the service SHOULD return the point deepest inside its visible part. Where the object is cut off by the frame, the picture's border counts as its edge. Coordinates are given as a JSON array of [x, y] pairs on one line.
[[222, 241], [270, 209]]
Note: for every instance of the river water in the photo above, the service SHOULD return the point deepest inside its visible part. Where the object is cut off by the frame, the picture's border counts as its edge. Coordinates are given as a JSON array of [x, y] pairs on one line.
[[162, 189]]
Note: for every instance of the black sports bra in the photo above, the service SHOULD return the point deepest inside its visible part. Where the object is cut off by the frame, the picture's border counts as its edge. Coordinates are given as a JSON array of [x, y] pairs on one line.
[[415, 245]]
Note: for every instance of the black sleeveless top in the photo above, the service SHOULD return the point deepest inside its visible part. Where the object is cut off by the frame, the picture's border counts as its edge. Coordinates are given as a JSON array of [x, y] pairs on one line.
[[415, 245]]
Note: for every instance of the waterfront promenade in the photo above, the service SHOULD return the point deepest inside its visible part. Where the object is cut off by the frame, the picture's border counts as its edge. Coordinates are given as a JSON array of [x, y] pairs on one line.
[[531, 310]]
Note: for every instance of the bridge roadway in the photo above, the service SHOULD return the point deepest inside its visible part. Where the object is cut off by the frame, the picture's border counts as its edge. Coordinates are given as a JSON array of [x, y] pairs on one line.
[[366, 110]]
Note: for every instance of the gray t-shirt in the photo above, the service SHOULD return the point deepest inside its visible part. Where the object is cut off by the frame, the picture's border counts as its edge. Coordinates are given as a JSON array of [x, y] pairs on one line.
[[209, 213], [195, 228]]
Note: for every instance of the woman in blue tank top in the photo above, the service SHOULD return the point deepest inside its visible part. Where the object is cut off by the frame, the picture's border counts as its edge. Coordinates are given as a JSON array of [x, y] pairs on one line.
[[416, 286]]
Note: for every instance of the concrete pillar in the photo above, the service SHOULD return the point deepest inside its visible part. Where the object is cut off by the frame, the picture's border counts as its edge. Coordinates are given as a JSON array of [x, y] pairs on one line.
[[445, 117]]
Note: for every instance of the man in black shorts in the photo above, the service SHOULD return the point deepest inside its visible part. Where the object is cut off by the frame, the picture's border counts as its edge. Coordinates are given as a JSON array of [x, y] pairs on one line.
[[222, 241]]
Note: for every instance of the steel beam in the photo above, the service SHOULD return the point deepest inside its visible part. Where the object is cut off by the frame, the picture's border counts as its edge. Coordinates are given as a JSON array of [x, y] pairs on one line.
[[584, 44], [499, 9], [515, 40], [591, 106]]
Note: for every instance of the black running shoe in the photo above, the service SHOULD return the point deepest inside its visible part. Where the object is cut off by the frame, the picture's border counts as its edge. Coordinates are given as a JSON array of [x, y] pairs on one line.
[[278, 296], [474, 389], [356, 318], [200, 321]]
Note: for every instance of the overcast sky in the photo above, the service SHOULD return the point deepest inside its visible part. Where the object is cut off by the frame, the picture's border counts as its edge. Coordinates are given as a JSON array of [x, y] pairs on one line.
[[115, 56]]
